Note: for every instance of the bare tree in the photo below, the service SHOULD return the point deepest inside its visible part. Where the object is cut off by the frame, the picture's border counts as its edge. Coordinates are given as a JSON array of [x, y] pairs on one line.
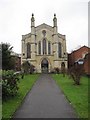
[[75, 72]]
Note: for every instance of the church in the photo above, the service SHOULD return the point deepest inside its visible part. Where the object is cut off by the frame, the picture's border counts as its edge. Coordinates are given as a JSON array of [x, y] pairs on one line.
[[44, 47]]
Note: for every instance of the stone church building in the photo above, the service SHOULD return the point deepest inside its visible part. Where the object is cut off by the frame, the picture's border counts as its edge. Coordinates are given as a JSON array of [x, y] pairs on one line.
[[44, 47]]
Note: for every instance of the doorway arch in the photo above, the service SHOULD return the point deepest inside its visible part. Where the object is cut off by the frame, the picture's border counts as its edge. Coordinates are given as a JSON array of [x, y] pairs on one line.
[[44, 65]]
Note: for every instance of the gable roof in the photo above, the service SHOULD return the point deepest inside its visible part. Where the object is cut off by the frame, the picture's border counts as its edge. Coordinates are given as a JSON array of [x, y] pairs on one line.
[[80, 48], [26, 36], [43, 26]]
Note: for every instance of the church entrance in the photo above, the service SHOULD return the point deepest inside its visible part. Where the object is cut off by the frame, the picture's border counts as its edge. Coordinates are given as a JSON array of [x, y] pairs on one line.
[[44, 66]]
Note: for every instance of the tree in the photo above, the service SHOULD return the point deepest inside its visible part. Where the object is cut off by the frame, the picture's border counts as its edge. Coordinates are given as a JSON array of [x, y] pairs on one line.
[[27, 67], [63, 69], [8, 62], [75, 72]]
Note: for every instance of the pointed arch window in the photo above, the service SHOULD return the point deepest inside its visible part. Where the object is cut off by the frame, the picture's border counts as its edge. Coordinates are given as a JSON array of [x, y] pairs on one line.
[[44, 46], [28, 50], [39, 47], [59, 50], [49, 48]]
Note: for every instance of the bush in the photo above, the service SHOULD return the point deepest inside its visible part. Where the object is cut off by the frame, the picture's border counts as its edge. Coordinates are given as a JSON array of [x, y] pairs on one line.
[[28, 67], [9, 84], [52, 71], [57, 70], [32, 69]]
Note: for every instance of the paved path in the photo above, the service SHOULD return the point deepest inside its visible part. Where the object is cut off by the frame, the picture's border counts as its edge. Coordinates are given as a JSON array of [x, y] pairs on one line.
[[45, 100]]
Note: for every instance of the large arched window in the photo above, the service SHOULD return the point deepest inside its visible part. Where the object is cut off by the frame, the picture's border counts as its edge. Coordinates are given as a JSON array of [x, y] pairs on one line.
[[49, 48], [39, 47], [28, 50], [44, 46], [59, 50]]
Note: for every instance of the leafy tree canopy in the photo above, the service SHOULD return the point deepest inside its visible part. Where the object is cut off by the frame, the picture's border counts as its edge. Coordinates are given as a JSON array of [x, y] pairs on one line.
[[8, 62]]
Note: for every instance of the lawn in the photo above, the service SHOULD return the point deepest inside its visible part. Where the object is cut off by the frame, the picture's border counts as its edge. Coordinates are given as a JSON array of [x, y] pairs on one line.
[[10, 106], [76, 94]]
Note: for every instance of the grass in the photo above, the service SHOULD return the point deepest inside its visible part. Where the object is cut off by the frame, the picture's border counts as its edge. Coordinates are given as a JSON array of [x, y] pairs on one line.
[[76, 94], [10, 106]]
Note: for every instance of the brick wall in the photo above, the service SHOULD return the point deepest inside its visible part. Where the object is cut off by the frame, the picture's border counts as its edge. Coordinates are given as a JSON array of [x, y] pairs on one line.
[[77, 54], [87, 64]]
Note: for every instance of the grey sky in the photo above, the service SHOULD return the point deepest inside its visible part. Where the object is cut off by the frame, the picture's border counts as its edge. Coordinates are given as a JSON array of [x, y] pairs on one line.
[[72, 16]]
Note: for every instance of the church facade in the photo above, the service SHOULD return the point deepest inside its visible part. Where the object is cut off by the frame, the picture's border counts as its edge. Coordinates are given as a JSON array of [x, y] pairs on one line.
[[44, 47]]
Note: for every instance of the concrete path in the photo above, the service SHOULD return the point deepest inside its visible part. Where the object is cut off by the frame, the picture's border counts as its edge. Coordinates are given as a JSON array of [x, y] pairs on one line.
[[45, 100]]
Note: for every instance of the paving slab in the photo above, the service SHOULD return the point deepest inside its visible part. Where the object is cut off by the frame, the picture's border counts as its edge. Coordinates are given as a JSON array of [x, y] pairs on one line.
[[45, 100]]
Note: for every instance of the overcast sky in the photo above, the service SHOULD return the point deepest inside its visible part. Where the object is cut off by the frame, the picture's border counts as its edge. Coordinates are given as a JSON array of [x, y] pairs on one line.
[[72, 17]]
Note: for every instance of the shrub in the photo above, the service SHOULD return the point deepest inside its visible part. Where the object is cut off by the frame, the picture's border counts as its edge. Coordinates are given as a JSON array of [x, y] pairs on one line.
[[28, 67], [32, 69], [57, 70], [52, 71], [9, 84]]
